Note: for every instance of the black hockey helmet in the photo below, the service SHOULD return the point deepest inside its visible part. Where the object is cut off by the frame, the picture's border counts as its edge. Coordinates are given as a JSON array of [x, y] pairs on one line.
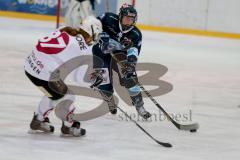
[[127, 10]]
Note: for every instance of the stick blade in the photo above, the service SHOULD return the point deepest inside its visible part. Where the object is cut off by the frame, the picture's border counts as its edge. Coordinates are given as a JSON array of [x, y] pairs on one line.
[[168, 145], [189, 127]]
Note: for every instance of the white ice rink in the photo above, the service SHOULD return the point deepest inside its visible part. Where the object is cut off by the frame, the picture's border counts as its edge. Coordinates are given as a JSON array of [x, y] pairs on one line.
[[204, 72]]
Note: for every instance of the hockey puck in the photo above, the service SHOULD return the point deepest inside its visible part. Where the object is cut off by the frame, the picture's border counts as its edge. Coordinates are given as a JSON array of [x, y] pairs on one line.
[[193, 130]]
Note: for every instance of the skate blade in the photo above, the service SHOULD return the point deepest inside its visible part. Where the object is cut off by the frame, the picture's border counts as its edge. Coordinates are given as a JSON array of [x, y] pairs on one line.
[[69, 135], [30, 131]]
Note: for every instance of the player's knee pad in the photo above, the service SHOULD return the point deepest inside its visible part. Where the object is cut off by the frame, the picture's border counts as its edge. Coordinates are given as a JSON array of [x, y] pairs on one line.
[[52, 89], [135, 90], [59, 88]]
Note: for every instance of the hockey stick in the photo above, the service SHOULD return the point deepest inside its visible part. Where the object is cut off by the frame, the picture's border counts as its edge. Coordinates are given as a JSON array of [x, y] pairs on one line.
[[164, 144], [188, 127], [138, 125]]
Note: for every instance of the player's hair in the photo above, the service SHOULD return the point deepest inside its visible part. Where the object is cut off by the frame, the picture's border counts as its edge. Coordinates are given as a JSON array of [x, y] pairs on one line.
[[74, 32]]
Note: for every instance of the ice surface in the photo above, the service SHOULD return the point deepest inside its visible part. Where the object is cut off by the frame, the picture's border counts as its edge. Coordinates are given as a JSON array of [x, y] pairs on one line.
[[204, 72]]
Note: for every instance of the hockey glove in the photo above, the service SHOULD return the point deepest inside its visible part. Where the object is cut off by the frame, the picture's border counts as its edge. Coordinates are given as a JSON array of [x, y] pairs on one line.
[[108, 45], [130, 64], [129, 69]]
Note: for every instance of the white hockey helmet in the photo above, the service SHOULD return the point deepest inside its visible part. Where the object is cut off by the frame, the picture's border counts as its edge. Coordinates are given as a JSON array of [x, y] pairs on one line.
[[92, 26]]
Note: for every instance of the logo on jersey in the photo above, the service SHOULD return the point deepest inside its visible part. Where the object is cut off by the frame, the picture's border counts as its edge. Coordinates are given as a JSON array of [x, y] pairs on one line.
[[35, 64], [53, 44], [81, 43]]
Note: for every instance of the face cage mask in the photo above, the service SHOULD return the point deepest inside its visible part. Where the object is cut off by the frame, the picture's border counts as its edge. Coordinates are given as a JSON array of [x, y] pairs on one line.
[[126, 27]]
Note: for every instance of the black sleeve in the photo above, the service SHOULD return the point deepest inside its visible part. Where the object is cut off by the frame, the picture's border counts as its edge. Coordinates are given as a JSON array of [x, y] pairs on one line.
[[137, 41]]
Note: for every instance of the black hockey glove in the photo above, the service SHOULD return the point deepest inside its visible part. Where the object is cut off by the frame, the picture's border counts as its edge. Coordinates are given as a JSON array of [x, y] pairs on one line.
[[130, 63], [129, 69], [96, 78], [129, 66]]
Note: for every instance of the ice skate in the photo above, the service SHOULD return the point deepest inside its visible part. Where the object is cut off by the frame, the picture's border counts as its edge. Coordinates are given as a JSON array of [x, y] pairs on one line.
[[143, 112], [138, 103], [74, 131], [108, 97], [112, 109], [42, 126]]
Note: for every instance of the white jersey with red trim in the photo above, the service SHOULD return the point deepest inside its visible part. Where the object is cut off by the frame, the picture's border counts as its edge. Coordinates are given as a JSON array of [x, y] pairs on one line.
[[53, 51]]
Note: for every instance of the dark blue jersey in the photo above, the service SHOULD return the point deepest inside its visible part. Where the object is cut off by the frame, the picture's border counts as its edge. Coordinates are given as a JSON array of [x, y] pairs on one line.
[[111, 25]]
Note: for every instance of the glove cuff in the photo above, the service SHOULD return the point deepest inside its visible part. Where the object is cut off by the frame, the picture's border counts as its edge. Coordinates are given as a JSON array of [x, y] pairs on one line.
[[132, 54]]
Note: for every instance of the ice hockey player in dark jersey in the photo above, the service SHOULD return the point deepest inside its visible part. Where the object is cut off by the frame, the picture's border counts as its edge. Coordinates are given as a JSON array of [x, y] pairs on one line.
[[121, 29]]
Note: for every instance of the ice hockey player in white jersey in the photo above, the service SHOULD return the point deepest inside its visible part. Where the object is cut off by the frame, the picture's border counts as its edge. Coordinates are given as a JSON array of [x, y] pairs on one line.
[[49, 53]]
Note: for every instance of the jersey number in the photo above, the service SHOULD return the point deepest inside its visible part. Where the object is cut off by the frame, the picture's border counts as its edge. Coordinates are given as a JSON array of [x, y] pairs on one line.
[[53, 44]]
